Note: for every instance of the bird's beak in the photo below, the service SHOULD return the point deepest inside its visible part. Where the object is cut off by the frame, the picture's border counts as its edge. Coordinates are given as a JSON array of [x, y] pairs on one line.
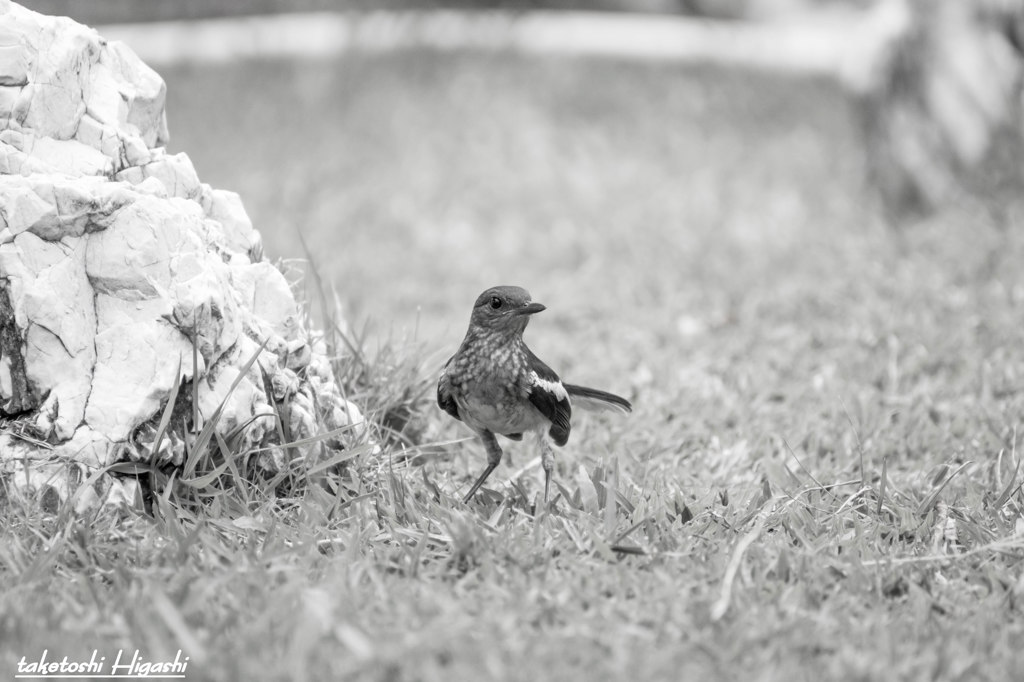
[[530, 309]]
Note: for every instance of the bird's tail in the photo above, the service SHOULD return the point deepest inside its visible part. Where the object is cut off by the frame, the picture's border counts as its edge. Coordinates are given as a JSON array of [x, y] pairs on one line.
[[593, 399]]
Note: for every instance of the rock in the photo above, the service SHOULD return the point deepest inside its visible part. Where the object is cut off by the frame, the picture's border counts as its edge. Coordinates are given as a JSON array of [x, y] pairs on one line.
[[59, 349], [23, 209], [13, 58], [138, 354], [264, 289], [123, 276], [227, 209], [176, 173], [246, 403]]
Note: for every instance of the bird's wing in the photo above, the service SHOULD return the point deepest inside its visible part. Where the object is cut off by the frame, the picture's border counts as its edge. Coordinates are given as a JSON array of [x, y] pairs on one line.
[[548, 395], [445, 399]]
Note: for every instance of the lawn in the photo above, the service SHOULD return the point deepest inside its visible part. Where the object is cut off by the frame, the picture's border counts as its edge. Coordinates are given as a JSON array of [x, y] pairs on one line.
[[819, 480]]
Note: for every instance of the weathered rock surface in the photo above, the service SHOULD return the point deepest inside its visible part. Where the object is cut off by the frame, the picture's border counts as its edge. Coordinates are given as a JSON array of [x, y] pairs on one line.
[[115, 261]]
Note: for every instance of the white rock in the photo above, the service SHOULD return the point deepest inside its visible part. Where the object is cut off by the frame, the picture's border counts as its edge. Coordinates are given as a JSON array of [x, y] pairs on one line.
[[134, 176], [6, 381], [92, 133], [65, 156], [76, 203], [110, 287], [133, 257], [246, 403], [150, 186], [284, 385], [227, 209], [9, 97], [176, 173], [13, 58], [21, 261], [265, 291], [51, 207], [106, 104], [141, 89], [204, 307], [21, 208], [137, 354], [56, 77], [135, 151], [298, 354], [60, 353]]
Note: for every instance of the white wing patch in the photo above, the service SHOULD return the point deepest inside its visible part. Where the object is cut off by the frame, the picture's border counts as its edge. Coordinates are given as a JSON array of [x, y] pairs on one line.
[[555, 388]]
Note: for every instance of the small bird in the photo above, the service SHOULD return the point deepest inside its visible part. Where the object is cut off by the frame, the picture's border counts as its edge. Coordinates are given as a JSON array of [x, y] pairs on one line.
[[496, 385]]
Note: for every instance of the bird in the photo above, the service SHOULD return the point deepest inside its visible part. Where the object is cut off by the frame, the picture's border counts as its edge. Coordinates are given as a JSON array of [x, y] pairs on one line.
[[497, 386]]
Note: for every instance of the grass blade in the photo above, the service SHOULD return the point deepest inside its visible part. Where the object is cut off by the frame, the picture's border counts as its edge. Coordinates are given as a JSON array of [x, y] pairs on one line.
[[203, 441], [928, 502], [165, 418]]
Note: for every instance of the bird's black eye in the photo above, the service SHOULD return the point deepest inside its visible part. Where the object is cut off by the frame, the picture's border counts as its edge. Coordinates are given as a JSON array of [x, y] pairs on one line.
[[495, 302]]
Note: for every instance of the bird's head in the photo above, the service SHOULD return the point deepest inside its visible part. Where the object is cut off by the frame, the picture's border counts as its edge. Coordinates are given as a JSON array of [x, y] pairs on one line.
[[505, 309]]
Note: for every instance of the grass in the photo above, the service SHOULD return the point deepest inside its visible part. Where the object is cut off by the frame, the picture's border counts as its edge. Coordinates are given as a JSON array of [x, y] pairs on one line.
[[820, 479]]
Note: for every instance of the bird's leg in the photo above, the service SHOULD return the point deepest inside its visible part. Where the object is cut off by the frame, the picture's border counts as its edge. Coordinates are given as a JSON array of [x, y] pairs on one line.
[[493, 460], [547, 462]]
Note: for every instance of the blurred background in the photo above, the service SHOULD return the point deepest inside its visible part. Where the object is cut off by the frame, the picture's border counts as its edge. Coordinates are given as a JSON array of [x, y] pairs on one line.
[[118, 11], [723, 239]]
